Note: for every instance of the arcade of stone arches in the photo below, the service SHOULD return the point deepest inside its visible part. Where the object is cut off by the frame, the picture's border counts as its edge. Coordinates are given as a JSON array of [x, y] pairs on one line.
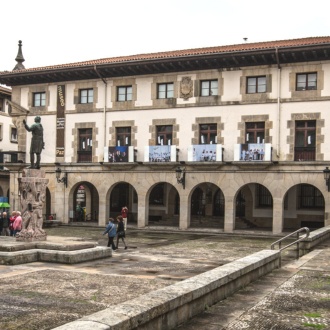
[[303, 205]]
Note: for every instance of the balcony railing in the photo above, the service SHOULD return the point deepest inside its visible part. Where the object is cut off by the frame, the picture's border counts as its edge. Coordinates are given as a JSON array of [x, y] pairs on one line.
[[304, 153]]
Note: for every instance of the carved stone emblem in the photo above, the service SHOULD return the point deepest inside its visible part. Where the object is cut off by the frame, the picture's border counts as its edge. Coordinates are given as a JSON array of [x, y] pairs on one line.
[[186, 88]]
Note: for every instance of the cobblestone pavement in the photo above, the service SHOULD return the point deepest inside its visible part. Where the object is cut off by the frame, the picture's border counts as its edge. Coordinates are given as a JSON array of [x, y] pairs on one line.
[[297, 296], [45, 295]]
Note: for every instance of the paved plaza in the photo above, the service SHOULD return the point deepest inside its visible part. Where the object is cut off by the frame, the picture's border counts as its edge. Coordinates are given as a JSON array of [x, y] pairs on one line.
[[46, 295]]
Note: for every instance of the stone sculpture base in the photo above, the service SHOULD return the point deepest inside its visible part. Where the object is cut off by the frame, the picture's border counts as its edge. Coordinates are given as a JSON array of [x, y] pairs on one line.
[[32, 187]]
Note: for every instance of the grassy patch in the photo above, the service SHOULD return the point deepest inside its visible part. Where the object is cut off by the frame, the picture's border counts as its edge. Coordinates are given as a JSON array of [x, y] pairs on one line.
[[314, 326], [313, 315]]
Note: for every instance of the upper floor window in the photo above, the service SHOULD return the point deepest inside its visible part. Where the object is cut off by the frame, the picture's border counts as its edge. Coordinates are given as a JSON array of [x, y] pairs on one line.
[[208, 133], [124, 93], [39, 99], [85, 145], [13, 134], [164, 134], [256, 85], [86, 95], [209, 87], [165, 91], [123, 136], [306, 81], [255, 132], [305, 140]]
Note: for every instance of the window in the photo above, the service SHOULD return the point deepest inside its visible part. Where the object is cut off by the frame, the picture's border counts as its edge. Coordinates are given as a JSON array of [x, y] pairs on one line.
[[309, 197], [263, 196], [85, 145], [208, 133], [86, 96], [255, 132], [124, 93], [123, 136], [157, 195], [2, 108], [256, 85], [164, 134], [305, 140], [39, 99], [165, 91], [209, 87], [13, 134], [306, 81]]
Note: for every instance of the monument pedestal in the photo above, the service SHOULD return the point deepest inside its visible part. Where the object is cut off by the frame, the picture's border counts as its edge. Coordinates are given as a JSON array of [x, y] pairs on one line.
[[32, 189]]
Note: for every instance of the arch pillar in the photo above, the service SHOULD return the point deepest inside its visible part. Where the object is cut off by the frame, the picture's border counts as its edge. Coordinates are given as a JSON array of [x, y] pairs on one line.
[[326, 208], [229, 214], [277, 215], [142, 212], [185, 215]]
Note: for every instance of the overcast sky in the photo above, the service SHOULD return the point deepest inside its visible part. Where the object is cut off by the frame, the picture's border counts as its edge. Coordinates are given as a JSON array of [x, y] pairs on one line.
[[66, 31]]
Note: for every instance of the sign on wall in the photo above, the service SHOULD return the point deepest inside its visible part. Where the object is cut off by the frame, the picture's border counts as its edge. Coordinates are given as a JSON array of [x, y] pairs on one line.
[[60, 121], [119, 154], [160, 154], [205, 153], [253, 152]]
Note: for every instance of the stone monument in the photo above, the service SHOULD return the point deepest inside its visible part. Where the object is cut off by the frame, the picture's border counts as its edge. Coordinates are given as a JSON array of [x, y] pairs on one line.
[[32, 188]]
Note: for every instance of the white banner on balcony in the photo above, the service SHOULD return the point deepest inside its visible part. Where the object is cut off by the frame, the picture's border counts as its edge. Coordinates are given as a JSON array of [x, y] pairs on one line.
[[119, 154], [253, 152], [205, 153], [160, 154]]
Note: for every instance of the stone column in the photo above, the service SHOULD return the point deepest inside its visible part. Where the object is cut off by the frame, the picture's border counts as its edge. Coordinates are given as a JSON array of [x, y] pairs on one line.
[[229, 214], [277, 215], [184, 222]]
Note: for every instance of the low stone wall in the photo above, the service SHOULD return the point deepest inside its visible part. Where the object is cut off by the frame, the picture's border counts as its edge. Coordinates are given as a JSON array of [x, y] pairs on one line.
[[315, 237], [170, 306]]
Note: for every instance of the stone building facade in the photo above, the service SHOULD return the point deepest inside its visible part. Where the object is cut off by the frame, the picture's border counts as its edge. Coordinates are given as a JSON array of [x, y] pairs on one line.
[[244, 125]]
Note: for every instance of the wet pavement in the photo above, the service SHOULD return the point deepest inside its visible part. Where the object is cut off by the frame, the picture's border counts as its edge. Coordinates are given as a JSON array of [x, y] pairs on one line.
[[156, 259]]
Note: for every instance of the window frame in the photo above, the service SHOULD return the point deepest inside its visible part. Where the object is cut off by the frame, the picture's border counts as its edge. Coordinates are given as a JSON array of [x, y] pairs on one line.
[[305, 149], [13, 138], [123, 134], [211, 90], [257, 86], [264, 198], [165, 133], [166, 92], [39, 99], [89, 95], [127, 95], [309, 197], [85, 135], [210, 133], [254, 130], [308, 85]]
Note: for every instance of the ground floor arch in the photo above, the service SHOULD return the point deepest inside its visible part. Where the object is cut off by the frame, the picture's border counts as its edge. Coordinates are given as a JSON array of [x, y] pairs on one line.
[[303, 206]]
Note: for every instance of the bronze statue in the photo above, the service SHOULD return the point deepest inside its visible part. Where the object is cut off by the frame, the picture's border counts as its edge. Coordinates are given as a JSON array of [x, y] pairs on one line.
[[37, 142]]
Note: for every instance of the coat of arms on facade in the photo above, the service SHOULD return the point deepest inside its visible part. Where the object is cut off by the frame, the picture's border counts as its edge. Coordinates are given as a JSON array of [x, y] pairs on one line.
[[186, 88]]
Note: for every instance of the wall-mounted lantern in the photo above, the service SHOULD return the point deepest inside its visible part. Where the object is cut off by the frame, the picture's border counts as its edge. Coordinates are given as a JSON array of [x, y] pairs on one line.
[[61, 180]]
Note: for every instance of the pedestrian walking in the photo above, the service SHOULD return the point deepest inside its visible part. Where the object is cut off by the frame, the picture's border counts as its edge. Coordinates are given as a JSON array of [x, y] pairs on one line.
[[17, 225], [111, 230], [124, 214], [5, 224], [121, 231]]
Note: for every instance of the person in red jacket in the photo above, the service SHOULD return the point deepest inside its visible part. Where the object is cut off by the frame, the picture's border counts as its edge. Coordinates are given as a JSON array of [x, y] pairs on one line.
[[124, 214], [11, 222]]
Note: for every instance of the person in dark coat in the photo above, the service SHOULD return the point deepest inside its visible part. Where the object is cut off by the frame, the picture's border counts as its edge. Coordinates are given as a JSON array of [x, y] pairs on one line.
[[1, 224], [121, 231], [5, 224], [111, 230]]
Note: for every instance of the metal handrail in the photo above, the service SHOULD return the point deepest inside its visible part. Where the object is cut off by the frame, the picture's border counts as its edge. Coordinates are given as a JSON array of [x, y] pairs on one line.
[[299, 239]]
